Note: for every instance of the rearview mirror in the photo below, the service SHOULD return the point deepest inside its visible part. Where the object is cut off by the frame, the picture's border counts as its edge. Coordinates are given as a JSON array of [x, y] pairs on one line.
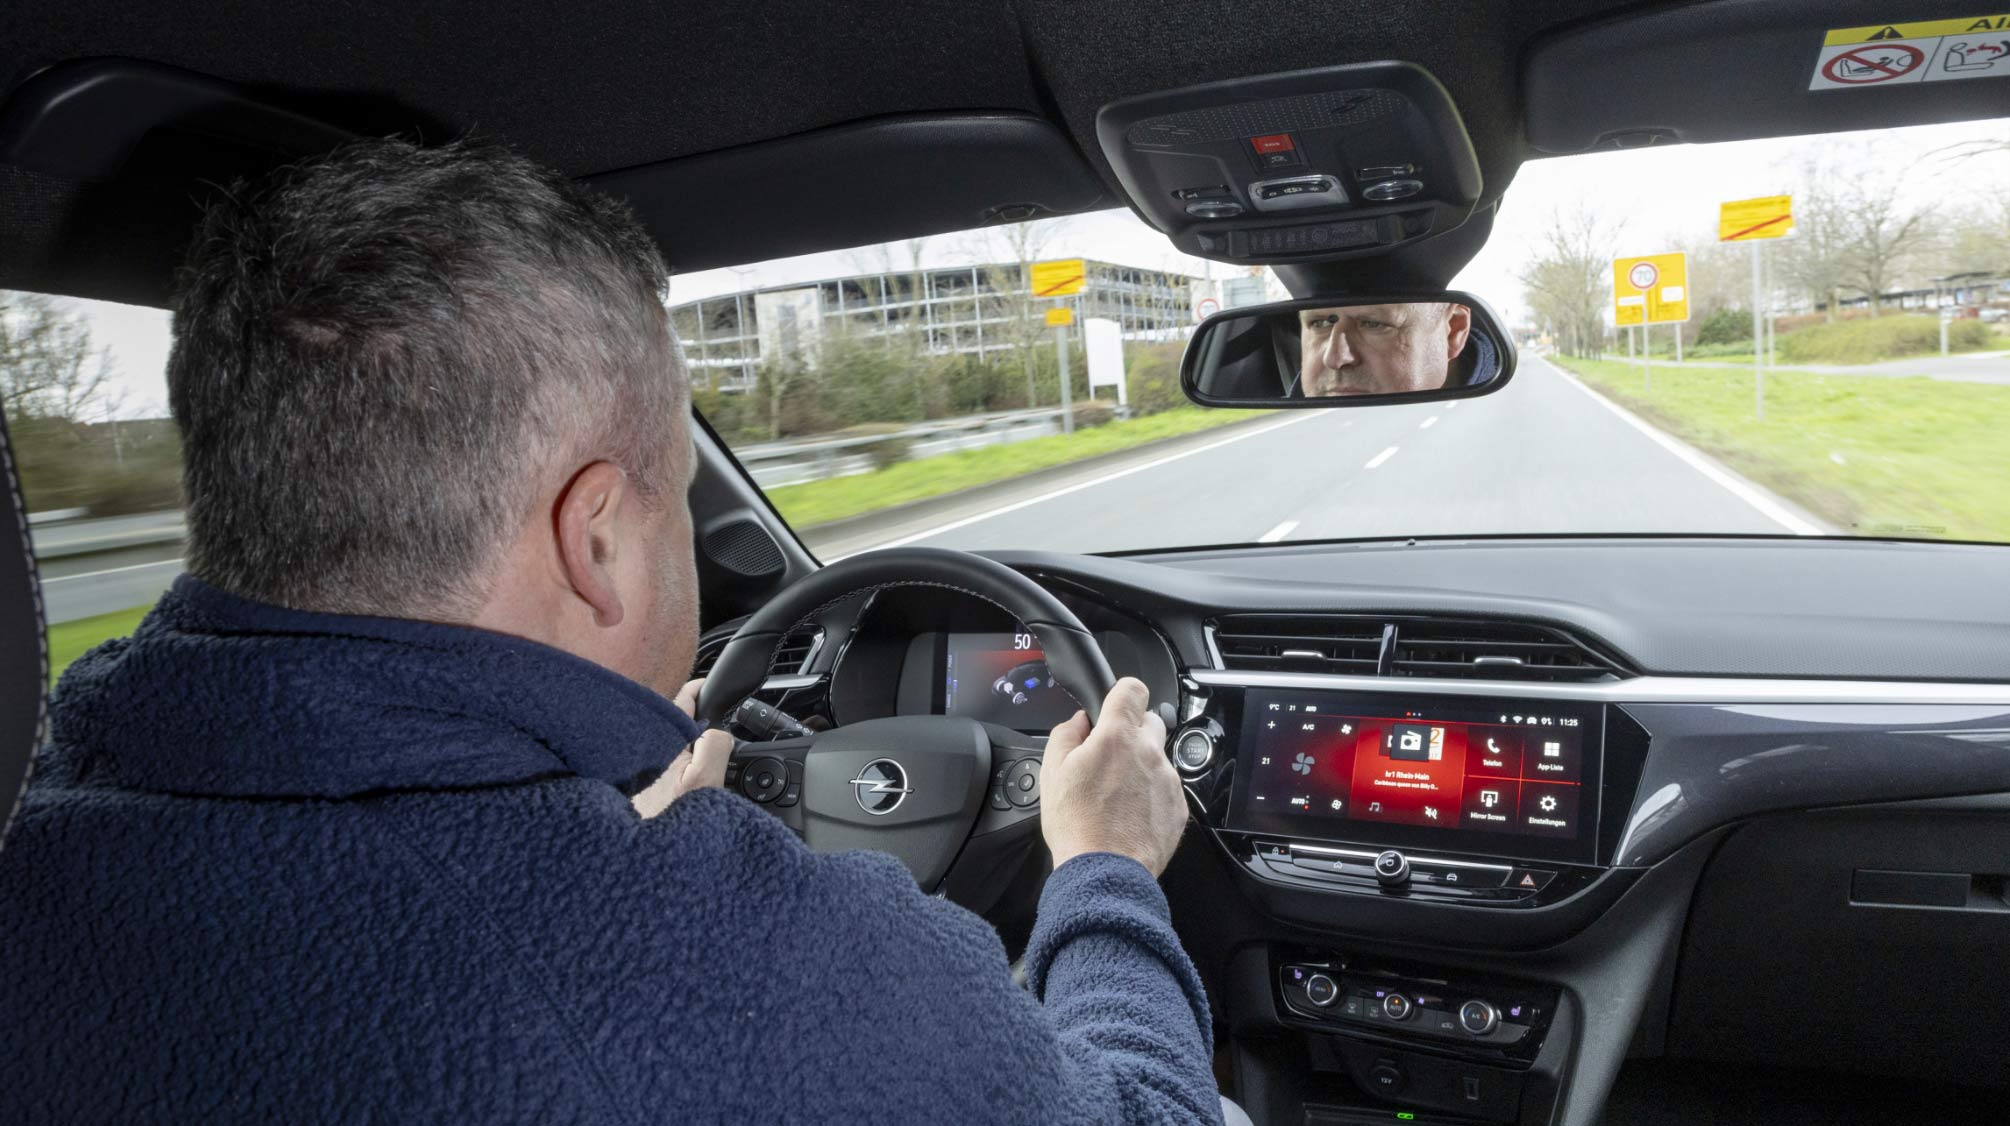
[[1348, 351]]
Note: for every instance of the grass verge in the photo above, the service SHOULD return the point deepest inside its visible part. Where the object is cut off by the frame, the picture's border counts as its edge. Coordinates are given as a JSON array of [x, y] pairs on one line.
[[820, 502], [70, 640], [1874, 456]]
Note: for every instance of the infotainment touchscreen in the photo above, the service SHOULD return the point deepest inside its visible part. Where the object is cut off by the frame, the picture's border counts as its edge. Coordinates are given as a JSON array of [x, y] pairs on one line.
[[1457, 771]]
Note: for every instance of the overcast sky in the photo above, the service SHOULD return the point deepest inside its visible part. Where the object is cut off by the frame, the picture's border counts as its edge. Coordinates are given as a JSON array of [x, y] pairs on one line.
[[1660, 195]]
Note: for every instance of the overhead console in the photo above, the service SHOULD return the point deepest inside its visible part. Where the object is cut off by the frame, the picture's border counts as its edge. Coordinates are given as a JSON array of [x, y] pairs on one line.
[[1314, 164]]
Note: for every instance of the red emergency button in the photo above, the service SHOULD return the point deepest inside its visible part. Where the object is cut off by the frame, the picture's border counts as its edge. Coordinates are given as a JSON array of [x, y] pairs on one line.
[[1273, 142]]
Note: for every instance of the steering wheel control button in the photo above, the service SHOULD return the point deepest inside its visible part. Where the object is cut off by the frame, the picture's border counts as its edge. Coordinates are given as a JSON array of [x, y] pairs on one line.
[[1478, 1017], [1022, 782], [998, 800], [793, 792], [764, 779], [1395, 1006], [1385, 1078], [1392, 868], [1320, 990], [1194, 751]]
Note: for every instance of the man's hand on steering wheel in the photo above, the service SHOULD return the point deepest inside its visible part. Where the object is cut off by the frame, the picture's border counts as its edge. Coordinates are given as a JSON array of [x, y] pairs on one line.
[[701, 764], [1112, 789]]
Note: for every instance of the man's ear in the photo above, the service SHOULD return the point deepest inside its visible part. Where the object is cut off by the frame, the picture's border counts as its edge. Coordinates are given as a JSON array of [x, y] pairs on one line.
[[589, 537], [1458, 326]]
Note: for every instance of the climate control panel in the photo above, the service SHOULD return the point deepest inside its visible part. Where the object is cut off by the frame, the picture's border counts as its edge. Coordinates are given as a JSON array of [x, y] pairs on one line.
[[1502, 1022]]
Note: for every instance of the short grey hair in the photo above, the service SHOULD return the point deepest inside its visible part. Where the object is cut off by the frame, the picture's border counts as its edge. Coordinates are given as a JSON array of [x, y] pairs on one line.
[[382, 355]]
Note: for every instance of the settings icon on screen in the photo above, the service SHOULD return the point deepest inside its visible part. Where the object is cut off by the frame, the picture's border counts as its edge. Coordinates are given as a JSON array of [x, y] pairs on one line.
[[1548, 803], [1302, 764]]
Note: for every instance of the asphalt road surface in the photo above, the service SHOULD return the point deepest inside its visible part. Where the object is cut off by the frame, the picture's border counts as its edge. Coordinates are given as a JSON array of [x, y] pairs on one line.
[[1542, 455]]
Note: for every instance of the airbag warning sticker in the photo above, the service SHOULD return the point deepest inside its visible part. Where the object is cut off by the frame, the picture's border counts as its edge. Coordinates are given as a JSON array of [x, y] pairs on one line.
[[1929, 51]]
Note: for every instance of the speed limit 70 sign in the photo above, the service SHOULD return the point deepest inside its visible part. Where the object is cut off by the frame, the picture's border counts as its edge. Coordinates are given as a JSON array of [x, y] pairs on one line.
[[1651, 290]]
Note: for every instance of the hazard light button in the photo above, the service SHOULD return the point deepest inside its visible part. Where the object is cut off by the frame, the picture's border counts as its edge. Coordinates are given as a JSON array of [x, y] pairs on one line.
[[1529, 879]]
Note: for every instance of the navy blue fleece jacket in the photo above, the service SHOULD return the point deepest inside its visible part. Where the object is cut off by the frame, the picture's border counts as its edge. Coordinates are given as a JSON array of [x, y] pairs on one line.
[[288, 867]]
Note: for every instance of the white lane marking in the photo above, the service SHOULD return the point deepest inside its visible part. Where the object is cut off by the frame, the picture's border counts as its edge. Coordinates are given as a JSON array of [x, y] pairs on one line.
[[1277, 533], [1105, 479], [113, 571], [1452, 406], [1428, 423], [1766, 505], [1380, 458]]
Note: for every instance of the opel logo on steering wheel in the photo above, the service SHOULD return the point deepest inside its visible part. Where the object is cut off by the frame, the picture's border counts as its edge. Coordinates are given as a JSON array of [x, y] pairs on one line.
[[881, 786]]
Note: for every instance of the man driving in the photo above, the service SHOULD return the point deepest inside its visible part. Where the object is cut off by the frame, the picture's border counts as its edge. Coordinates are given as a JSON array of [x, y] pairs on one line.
[[1379, 349], [386, 813]]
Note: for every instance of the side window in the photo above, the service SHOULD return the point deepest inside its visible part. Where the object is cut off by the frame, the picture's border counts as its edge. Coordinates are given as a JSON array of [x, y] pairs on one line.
[[99, 460]]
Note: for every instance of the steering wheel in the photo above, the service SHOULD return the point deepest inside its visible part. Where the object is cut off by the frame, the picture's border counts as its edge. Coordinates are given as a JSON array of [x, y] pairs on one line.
[[934, 791]]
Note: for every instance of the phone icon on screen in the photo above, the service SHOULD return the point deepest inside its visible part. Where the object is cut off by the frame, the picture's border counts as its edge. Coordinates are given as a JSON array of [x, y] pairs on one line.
[[1491, 749]]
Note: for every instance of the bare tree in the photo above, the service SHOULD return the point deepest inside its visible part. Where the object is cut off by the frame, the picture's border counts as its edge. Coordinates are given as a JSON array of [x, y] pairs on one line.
[[1010, 283], [1976, 238], [1813, 261], [1853, 231], [1881, 237], [1567, 282], [48, 369]]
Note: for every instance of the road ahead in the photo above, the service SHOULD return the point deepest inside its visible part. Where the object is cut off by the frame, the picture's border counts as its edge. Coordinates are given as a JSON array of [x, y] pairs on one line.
[[1543, 455]]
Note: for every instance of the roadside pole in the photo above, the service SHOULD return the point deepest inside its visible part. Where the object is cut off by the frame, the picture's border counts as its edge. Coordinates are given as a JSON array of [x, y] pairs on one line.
[[1063, 279], [1758, 342], [1755, 221], [1067, 393], [1944, 318], [1646, 291]]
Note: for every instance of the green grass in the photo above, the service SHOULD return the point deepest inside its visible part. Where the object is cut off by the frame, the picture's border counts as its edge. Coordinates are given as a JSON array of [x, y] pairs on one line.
[[71, 640], [1873, 339], [1871, 455], [819, 502]]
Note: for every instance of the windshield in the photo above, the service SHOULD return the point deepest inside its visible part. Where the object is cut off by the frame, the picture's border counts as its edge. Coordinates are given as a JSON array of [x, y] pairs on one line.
[[914, 392]]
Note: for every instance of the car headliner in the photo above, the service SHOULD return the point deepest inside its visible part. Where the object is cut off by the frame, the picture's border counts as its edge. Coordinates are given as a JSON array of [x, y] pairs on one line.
[[622, 84]]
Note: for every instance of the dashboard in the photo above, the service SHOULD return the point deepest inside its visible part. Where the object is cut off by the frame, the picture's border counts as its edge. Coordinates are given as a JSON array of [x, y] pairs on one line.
[[1553, 798]]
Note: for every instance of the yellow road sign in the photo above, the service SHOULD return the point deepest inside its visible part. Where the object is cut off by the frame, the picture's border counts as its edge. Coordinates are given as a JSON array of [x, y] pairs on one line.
[[1745, 220], [1059, 279], [1919, 29], [1651, 290], [1061, 316]]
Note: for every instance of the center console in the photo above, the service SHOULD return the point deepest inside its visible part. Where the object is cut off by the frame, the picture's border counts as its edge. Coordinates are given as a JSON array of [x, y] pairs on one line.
[[1464, 818], [1490, 802]]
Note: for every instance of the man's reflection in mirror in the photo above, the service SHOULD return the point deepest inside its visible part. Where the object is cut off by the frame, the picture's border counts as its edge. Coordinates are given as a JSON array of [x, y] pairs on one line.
[[1383, 349]]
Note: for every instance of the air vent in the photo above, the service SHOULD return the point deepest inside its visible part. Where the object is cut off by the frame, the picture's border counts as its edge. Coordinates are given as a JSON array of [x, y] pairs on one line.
[[1428, 647], [1329, 643], [1479, 650], [795, 655]]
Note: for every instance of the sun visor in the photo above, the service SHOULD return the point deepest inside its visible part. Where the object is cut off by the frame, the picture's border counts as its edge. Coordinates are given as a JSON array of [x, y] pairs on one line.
[[1730, 72], [852, 185], [1313, 165]]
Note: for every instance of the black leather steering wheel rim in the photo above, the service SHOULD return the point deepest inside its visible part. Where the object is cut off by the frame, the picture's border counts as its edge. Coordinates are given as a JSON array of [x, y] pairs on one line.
[[1073, 657]]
